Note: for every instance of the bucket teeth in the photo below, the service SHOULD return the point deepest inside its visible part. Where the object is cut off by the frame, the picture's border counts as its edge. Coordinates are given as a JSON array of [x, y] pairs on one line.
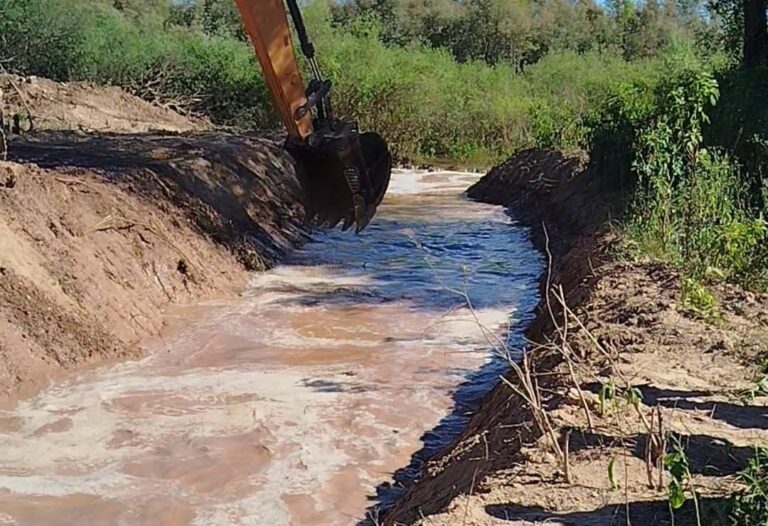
[[361, 217], [348, 222], [334, 220], [322, 218]]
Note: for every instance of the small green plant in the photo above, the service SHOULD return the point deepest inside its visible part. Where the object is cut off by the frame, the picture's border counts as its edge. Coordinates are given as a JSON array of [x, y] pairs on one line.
[[750, 506], [677, 466], [698, 299], [633, 396], [607, 396], [611, 475], [759, 388]]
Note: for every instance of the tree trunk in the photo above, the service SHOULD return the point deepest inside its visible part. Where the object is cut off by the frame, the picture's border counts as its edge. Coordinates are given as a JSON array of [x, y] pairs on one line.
[[755, 30]]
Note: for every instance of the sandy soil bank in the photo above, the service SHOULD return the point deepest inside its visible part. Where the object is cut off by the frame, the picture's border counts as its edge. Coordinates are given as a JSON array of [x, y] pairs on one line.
[[85, 107], [100, 232]]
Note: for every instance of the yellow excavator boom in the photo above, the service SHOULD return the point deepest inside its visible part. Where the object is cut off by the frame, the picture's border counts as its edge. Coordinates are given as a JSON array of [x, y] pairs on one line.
[[346, 172], [267, 24]]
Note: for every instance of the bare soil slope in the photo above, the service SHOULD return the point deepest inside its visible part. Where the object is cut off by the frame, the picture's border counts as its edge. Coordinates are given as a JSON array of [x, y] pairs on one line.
[[577, 457], [81, 106], [99, 233]]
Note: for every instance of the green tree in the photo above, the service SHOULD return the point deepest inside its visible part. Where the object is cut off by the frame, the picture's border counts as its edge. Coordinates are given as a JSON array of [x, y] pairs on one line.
[[560, 25], [652, 28]]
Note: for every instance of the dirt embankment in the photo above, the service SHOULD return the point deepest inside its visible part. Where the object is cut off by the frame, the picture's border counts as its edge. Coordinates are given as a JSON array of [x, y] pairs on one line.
[[99, 233], [85, 107], [627, 375]]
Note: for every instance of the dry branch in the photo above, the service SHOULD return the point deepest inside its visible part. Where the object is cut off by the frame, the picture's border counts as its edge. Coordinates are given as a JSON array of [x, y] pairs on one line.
[[22, 98], [3, 138]]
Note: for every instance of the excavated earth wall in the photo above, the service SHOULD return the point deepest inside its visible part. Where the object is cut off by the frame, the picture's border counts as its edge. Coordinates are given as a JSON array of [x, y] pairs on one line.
[[99, 233]]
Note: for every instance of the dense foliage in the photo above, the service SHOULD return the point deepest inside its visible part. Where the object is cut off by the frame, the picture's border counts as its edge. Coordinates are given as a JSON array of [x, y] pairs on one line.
[[521, 32], [194, 54], [693, 205]]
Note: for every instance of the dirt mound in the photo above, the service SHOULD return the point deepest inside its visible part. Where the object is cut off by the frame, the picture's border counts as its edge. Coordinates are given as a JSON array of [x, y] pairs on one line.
[[85, 107], [98, 234], [627, 374]]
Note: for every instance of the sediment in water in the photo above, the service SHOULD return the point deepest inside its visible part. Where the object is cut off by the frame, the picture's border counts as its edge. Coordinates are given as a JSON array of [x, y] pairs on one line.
[[539, 186]]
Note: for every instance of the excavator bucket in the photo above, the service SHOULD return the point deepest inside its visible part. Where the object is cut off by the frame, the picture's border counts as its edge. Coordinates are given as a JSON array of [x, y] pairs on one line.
[[346, 173]]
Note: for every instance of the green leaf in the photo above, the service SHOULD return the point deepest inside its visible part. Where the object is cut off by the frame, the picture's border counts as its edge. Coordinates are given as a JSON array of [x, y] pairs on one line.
[[611, 479], [676, 496]]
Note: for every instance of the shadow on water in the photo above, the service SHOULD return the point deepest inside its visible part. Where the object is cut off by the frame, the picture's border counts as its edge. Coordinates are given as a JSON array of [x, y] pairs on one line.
[[415, 260], [465, 400]]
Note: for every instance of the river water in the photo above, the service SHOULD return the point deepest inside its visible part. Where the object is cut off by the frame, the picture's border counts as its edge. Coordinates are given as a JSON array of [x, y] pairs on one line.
[[294, 402]]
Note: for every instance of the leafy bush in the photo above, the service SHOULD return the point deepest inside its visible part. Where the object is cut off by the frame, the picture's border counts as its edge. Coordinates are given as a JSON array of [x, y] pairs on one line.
[[699, 300], [613, 131], [692, 204], [750, 507]]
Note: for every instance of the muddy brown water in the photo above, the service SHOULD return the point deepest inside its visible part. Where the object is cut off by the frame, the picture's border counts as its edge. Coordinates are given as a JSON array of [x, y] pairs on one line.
[[294, 402]]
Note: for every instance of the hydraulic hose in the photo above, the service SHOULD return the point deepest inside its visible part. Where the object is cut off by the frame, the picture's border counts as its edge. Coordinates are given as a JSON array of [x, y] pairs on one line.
[[308, 50]]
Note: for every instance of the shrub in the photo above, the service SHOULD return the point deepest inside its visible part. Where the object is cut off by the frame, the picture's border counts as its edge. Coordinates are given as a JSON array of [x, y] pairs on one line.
[[692, 204], [750, 507]]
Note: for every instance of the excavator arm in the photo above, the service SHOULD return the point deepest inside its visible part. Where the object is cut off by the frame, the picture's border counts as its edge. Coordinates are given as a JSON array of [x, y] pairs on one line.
[[346, 172], [267, 24]]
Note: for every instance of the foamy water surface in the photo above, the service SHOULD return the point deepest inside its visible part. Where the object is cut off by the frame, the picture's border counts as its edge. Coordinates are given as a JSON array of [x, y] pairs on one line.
[[292, 403]]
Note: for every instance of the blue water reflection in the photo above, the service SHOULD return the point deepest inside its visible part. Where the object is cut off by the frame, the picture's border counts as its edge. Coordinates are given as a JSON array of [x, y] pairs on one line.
[[418, 258]]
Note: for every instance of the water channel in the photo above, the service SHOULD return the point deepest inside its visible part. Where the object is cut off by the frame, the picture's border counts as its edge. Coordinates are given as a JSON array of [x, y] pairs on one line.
[[292, 403]]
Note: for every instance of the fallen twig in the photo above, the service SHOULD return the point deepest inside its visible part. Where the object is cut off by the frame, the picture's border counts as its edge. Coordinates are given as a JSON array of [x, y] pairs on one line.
[[566, 456]]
